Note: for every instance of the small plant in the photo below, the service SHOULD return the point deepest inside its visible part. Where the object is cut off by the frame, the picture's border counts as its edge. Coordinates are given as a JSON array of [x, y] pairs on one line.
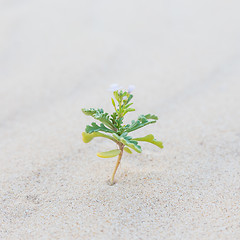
[[116, 130]]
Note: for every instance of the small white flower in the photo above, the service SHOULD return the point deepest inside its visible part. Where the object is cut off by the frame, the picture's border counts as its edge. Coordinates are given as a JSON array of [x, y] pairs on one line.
[[131, 88], [114, 87]]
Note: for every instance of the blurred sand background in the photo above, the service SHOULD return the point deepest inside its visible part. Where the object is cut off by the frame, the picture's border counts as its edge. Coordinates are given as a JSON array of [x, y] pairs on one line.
[[59, 56]]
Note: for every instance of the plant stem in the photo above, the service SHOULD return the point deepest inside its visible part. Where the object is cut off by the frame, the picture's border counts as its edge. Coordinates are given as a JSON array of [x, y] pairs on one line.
[[117, 164]]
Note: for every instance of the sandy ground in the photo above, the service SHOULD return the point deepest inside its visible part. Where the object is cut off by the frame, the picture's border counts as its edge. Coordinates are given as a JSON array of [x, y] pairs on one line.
[[59, 56]]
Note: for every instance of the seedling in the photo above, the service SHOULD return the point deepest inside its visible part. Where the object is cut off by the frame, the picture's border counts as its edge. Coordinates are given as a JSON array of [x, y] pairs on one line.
[[113, 128]]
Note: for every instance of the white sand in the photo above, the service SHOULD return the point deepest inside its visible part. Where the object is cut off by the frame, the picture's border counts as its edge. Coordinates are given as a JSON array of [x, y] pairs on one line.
[[59, 56]]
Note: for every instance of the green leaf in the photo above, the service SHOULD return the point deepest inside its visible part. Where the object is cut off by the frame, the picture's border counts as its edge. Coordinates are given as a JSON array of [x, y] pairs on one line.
[[96, 128], [89, 112], [109, 154], [114, 105], [128, 110], [150, 138], [99, 115], [128, 105], [127, 140], [88, 137], [129, 98], [127, 150], [116, 95], [142, 121]]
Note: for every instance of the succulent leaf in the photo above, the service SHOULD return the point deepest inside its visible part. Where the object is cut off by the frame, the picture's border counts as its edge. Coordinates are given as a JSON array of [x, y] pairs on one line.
[[88, 137], [150, 138], [126, 149], [109, 154]]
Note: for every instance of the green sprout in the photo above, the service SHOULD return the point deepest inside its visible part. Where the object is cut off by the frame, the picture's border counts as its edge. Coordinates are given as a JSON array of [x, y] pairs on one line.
[[114, 128]]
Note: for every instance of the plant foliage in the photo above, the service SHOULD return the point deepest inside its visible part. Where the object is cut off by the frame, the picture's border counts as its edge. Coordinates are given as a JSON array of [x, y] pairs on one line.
[[116, 130]]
